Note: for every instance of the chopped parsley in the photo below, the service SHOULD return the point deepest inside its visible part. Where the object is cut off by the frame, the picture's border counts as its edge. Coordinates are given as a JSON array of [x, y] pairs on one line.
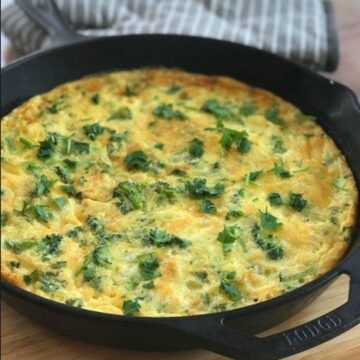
[[55, 107], [42, 186], [95, 99], [123, 113], [47, 147], [336, 183], [228, 236], [201, 275], [131, 307], [60, 202], [93, 131], [19, 246], [207, 206], [277, 145], [70, 190], [40, 212], [173, 89], [280, 171], [75, 302], [233, 214], [274, 199], [166, 111], [95, 225], [70, 164], [268, 221], [161, 238], [159, 146], [216, 109], [267, 242], [49, 246], [197, 188], [4, 218], [149, 285], [196, 148], [137, 160], [77, 147], [238, 138], [27, 144], [178, 172], [247, 108], [272, 114], [164, 192], [252, 176], [148, 266], [130, 90], [63, 175], [227, 286], [297, 202]]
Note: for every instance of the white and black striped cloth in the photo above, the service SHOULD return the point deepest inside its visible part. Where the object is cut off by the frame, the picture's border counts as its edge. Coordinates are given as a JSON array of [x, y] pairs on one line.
[[302, 30]]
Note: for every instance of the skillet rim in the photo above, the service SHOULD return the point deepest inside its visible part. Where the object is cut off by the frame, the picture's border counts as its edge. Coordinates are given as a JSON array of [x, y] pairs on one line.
[[278, 300]]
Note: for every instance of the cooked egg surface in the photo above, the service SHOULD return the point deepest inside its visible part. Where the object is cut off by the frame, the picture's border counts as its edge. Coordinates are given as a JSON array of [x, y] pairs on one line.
[[157, 192]]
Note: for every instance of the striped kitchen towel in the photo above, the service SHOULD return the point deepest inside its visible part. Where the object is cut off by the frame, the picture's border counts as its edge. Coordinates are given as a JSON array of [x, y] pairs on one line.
[[301, 30]]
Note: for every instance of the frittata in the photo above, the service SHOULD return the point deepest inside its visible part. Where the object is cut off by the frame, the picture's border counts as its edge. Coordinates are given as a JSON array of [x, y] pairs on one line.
[[157, 192]]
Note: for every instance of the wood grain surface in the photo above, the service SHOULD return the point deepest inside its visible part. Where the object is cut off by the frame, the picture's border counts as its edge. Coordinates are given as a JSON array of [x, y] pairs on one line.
[[23, 339]]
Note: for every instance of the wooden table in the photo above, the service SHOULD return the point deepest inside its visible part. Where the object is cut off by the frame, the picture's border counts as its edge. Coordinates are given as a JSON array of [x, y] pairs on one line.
[[22, 339]]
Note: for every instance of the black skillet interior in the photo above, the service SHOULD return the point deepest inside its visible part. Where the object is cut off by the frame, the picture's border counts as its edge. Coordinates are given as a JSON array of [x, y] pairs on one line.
[[337, 110]]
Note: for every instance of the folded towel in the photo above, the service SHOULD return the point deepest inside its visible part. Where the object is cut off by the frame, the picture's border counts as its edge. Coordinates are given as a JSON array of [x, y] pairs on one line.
[[301, 30]]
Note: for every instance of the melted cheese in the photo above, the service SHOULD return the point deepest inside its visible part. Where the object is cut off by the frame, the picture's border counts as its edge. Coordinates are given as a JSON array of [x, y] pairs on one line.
[[51, 247]]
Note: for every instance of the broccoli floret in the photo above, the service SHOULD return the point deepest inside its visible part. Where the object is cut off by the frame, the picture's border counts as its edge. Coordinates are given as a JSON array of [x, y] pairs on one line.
[[131, 196], [49, 246]]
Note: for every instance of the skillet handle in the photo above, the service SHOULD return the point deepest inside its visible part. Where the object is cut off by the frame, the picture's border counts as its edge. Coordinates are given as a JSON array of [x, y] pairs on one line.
[[214, 335], [47, 15]]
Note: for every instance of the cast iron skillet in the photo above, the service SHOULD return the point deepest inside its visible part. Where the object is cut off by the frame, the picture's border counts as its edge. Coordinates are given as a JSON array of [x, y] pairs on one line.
[[230, 333]]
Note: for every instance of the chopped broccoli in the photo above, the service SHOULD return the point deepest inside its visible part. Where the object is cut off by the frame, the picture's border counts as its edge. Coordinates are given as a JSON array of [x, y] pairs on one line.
[[131, 196]]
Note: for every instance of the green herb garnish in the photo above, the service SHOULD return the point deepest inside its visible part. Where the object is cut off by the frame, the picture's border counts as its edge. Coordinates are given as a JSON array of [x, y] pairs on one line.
[[247, 108], [272, 114], [131, 196], [228, 236], [207, 206], [252, 176], [95, 99], [214, 108], [123, 113], [131, 307], [268, 221], [161, 238], [268, 243], [233, 214], [277, 145], [226, 285], [137, 160], [93, 130], [274, 199], [196, 148], [42, 186], [4, 218], [197, 188], [49, 246], [166, 111], [297, 202], [148, 266]]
